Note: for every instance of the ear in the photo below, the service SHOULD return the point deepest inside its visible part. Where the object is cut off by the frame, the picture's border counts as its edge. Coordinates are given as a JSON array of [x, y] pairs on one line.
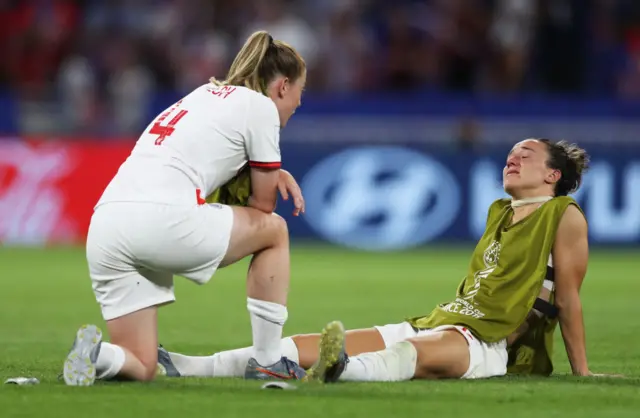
[[283, 86], [553, 177]]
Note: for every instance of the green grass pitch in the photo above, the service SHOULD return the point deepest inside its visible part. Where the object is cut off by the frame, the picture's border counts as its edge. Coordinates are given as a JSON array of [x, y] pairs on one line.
[[45, 295]]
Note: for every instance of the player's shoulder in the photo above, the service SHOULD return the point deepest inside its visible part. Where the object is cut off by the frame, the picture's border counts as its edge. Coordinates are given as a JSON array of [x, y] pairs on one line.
[[568, 206], [572, 226], [261, 108], [573, 217], [260, 101], [500, 203], [497, 207], [230, 94], [567, 201]]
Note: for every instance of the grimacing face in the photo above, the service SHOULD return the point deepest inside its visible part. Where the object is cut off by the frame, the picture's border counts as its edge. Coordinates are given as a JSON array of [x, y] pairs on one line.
[[526, 169]]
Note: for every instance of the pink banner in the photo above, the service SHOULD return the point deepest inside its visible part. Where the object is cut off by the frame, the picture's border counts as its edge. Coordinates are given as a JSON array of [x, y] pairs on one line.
[[48, 189]]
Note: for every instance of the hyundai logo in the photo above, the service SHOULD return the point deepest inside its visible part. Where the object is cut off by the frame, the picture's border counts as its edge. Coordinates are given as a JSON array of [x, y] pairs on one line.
[[380, 198]]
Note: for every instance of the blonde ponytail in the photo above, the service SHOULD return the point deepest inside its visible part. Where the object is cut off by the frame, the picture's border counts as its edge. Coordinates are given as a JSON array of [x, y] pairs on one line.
[[259, 61]]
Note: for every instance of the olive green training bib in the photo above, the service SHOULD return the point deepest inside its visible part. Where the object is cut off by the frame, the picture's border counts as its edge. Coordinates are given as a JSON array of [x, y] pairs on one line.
[[505, 276]]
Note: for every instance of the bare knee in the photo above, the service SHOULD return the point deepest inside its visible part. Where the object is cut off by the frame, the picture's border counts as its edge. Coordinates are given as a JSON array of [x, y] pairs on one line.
[[268, 229], [148, 366], [307, 345], [278, 229], [149, 372], [254, 231], [271, 231]]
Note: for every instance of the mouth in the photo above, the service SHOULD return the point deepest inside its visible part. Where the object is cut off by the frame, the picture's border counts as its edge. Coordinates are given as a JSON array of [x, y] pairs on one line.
[[511, 171]]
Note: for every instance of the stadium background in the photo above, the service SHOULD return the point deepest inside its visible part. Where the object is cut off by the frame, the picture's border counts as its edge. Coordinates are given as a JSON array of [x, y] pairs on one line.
[[410, 109]]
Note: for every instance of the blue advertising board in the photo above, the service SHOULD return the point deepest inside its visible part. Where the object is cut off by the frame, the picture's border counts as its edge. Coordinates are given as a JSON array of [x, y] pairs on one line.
[[392, 197], [384, 172]]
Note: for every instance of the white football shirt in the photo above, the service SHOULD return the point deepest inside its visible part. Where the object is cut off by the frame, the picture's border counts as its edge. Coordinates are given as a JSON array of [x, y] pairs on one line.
[[197, 145]]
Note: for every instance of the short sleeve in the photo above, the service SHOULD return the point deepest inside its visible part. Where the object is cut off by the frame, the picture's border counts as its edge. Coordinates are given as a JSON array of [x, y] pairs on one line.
[[263, 134]]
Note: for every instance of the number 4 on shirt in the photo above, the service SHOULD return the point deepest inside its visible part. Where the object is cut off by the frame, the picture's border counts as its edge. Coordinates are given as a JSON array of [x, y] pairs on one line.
[[163, 131]]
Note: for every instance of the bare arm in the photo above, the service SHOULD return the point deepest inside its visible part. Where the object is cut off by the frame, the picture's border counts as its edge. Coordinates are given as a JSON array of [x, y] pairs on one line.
[[288, 185], [264, 189], [263, 151], [570, 257]]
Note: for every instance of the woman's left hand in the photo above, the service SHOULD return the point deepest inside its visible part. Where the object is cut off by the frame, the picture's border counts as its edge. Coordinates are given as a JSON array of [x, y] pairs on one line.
[[287, 185]]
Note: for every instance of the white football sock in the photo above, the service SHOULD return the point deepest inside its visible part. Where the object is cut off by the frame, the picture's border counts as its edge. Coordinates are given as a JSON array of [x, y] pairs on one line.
[[232, 363], [393, 364], [194, 366], [110, 361], [267, 320]]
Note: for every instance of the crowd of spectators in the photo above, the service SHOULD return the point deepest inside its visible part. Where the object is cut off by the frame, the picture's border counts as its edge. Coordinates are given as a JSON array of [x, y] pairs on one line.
[[101, 62]]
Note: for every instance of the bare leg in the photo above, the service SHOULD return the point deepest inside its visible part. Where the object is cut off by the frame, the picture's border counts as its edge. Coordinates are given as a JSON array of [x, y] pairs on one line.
[[266, 237], [137, 335], [357, 341], [131, 354], [440, 355], [300, 348]]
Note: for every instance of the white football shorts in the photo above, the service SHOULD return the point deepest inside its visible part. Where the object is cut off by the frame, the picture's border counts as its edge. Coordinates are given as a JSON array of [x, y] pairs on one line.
[[134, 249], [485, 359]]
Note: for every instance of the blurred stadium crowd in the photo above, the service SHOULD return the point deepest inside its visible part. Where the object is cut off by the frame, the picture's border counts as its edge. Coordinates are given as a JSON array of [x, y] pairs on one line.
[[94, 58]]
